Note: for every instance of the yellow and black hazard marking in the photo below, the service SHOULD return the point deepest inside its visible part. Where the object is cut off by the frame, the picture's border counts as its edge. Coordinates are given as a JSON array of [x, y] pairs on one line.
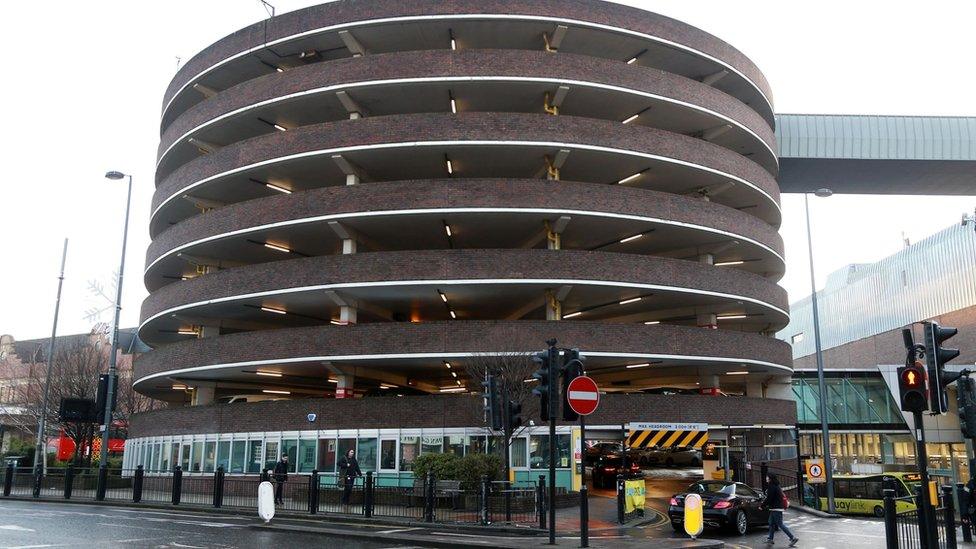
[[664, 438]]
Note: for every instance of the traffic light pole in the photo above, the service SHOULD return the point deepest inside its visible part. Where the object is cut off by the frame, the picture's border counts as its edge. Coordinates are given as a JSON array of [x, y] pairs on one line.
[[553, 380], [926, 518]]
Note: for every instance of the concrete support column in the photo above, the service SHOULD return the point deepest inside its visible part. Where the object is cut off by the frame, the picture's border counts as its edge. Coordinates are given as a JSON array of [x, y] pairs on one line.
[[554, 307], [780, 387], [203, 394], [347, 314], [706, 259], [708, 384], [348, 246], [754, 388], [707, 320], [344, 389], [209, 331]]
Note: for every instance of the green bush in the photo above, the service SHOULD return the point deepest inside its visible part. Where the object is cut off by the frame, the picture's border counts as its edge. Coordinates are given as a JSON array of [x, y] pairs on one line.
[[442, 466], [469, 469], [474, 466]]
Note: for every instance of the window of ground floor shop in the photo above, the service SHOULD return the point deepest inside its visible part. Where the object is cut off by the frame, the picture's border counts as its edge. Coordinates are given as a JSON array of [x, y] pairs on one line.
[[384, 453]]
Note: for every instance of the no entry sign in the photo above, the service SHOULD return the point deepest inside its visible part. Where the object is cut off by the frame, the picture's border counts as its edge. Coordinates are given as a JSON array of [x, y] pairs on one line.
[[583, 395]]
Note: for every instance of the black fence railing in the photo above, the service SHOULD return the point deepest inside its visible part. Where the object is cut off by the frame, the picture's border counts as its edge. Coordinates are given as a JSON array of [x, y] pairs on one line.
[[910, 525], [426, 499]]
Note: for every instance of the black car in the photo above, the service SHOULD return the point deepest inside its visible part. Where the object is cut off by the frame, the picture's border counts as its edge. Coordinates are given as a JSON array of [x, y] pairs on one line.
[[608, 466], [727, 504]]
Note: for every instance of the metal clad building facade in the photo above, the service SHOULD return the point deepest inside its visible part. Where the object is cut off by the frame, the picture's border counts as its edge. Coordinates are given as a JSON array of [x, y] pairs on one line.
[[876, 137], [932, 277]]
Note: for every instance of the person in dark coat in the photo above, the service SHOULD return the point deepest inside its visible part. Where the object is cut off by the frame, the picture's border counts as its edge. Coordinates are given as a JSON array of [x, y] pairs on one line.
[[280, 477], [776, 503], [348, 471]]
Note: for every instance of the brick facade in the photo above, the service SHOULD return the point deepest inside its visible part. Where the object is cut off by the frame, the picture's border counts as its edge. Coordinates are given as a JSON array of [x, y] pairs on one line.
[[462, 265], [472, 193], [337, 13], [436, 127], [436, 411]]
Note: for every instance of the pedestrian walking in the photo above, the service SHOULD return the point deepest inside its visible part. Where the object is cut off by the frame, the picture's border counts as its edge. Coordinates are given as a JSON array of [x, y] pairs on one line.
[[777, 503], [280, 477], [348, 471]]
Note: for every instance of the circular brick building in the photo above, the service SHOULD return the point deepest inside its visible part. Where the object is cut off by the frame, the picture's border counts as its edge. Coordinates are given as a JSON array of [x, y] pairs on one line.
[[354, 199]]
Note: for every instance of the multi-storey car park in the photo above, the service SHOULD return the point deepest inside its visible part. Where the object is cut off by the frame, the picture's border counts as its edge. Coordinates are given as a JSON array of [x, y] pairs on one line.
[[354, 199]]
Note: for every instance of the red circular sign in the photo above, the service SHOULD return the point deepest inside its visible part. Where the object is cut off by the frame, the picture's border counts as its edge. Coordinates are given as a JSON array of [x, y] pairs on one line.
[[583, 395]]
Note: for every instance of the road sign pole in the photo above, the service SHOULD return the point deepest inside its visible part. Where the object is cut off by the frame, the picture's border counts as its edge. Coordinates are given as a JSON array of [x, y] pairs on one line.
[[584, 504]]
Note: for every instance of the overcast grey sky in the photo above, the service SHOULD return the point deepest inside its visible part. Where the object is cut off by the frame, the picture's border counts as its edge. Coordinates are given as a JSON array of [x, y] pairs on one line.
[[84, 83]]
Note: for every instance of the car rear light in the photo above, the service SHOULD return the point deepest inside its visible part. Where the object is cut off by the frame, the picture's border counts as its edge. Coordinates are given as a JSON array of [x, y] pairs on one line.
[[609, 469], [674, 501], [724, 504]]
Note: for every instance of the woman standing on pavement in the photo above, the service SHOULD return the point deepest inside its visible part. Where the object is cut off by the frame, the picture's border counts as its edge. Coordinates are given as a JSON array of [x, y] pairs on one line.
[[776, 502]]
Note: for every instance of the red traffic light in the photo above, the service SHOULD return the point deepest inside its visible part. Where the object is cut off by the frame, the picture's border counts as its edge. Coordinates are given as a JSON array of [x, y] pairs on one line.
[[912, 377]]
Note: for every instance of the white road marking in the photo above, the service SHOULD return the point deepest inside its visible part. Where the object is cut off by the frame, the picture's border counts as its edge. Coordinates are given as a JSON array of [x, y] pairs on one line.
[[15, 528], [397, 530], [842, 534]]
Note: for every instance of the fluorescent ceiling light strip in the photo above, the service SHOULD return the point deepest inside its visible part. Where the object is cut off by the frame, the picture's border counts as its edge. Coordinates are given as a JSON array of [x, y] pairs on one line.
[[276, 247], [274, 187], [274, 392], [276, 311], [631, 238], [727, 263], [631, 300]]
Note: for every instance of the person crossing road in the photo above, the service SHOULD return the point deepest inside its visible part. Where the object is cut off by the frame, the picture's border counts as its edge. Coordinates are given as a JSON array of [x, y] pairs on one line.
[[776, 502]]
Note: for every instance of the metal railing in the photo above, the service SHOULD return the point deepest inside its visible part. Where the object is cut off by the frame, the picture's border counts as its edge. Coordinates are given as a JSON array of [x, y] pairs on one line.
[[918, 525], [426, 499]]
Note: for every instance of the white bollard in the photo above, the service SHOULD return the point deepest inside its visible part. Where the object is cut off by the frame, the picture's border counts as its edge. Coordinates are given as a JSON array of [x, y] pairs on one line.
[[266, 508]]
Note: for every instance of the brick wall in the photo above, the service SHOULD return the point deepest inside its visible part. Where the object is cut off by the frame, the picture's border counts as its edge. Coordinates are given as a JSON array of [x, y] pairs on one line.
[[411, 128], [334, 13], [463, 265], [436, 411]]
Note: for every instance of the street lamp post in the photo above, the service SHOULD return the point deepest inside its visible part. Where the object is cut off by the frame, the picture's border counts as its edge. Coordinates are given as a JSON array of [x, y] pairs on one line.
[[822, 383], [110, 385], [40, 457]]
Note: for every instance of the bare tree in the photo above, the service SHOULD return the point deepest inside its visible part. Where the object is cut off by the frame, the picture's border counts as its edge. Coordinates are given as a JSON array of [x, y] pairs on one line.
[[76, 365], [512, 371]]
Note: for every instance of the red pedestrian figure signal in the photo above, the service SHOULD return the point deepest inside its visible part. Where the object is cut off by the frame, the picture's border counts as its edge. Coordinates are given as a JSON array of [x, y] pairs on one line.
[[911, 378], [911, 388]]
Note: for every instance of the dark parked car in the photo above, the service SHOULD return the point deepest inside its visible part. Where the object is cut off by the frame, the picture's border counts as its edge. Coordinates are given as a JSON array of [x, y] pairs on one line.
[[727, 504], [599, 449], [607, 467]]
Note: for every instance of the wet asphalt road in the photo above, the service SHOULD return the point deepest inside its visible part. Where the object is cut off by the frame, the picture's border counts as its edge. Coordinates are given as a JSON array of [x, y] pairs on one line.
[[25, 525]]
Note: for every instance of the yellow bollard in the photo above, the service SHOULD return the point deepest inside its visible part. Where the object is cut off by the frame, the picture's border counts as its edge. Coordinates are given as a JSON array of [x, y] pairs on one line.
[[694, 515]]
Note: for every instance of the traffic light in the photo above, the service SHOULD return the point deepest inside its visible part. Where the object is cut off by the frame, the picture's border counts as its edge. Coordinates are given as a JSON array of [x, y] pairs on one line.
[[911, 388], [935, 358], [493, 403], [572, 369], [544, 374], [514, 415], [99, 411], [966, 398]]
